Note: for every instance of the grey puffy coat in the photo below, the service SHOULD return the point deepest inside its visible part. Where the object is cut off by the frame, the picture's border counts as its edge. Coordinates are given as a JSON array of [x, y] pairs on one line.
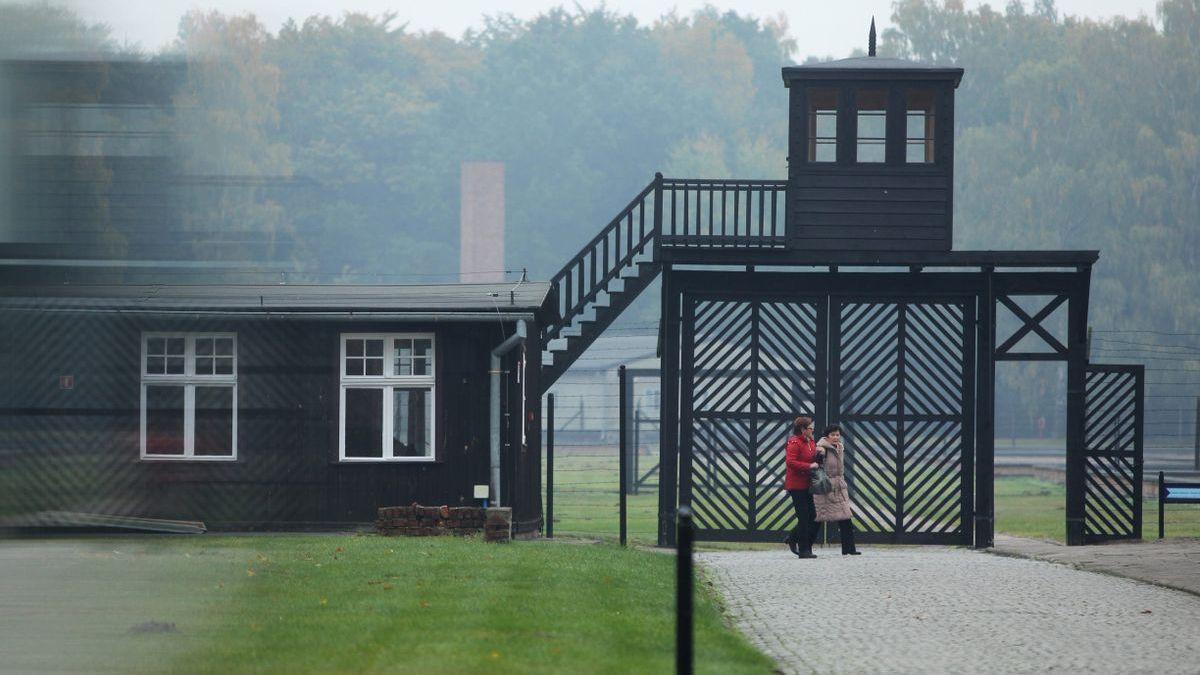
[[836, 505]]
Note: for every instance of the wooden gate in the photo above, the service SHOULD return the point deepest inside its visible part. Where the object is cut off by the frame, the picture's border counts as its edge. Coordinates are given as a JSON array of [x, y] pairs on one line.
[[902, 387], [1113, 421], [751, 364], [896, 374]]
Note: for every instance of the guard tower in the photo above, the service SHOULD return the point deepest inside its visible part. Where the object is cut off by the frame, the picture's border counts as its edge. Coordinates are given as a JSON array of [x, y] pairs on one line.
[[836, 293], [871, 155]]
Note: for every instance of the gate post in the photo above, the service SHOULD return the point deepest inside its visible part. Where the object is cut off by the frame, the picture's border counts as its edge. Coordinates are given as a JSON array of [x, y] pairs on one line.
[[1076, 393], [623, 450], [668, 429], [549, 466], [985, 412]]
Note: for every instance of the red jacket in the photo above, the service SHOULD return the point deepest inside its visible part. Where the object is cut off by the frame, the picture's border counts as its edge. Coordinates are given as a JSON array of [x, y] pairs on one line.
[[801, 454]]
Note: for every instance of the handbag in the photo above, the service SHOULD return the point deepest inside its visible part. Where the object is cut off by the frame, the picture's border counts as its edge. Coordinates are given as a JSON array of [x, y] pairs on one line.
[[820, 484]]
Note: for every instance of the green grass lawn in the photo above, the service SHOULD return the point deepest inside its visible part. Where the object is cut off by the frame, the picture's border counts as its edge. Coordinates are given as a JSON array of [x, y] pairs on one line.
[[368, 604], [1028, 507]]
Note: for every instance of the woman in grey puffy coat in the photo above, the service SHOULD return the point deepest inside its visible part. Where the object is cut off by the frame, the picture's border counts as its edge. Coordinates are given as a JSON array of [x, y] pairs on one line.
[[835, 506]]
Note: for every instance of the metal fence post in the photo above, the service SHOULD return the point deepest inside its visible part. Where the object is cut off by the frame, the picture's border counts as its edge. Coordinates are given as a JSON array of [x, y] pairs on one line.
[[637, 449], [1161, 490], [623, 446], [549, 466], [1196, 430], [683, 592]]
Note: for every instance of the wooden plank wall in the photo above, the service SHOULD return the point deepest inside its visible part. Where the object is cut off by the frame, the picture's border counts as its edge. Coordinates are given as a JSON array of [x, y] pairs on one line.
[[892, 206], [78, 449]]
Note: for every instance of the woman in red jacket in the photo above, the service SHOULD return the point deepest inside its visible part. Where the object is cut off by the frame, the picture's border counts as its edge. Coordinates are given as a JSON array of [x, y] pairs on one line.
[[801, 460]]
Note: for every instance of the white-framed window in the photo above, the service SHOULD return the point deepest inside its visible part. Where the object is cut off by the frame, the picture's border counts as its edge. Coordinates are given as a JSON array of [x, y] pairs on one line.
[[189, 396], [385, 407]]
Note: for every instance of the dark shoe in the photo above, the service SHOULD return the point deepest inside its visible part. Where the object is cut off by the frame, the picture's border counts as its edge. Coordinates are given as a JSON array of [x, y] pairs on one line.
[[793, 547], [851, 553], [804, 556]]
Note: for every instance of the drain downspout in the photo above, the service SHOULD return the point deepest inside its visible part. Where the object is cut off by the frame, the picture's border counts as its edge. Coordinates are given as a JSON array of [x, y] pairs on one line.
[[503, 348]]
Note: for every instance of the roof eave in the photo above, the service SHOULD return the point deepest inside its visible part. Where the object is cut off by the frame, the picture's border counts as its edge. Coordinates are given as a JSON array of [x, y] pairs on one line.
[[803, 74]]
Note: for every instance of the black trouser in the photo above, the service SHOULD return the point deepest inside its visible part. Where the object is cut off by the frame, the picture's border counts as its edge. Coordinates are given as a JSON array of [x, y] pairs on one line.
[[846, 535], [805, 532]]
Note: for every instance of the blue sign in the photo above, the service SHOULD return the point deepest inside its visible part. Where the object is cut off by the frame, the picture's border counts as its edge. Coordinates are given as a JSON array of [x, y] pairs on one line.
[[1183, 492]]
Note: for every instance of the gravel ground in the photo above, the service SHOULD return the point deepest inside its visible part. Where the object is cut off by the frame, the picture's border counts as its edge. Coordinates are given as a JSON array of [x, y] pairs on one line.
[[952, 610]]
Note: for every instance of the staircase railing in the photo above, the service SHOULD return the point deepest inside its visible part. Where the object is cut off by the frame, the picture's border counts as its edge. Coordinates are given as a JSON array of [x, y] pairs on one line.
[[601, 260], [703, 213]]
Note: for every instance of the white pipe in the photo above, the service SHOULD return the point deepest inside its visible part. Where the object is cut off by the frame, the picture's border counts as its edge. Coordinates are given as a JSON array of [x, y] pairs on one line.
[[494, 419]]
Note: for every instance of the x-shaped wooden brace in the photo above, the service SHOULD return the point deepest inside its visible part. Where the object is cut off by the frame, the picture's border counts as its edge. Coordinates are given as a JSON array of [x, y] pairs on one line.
[[1032, 323]]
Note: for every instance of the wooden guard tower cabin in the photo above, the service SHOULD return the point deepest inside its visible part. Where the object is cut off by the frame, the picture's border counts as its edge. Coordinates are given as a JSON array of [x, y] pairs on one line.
[[837, 293], [870, 155]]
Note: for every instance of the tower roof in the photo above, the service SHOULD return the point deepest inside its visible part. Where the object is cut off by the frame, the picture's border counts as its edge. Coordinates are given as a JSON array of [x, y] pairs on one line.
[[871, 68]]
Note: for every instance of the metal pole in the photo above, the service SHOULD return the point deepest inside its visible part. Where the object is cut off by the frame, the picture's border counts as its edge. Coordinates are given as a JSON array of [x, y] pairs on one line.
[[623, 462], [549, 466], [637, 448], [1160, 504], [683, 592], [1196, 465]]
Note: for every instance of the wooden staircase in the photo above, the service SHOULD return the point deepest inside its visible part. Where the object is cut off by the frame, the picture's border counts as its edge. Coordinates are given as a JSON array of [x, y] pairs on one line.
[[683, 220], [603, 279]]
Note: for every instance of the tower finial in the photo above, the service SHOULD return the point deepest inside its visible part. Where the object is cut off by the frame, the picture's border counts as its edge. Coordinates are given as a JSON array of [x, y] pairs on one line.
[[871, 39]]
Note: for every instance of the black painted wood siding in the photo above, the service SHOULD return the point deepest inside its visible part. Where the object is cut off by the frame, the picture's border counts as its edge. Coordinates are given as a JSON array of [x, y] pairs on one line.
[[78, 449], [890, 206]]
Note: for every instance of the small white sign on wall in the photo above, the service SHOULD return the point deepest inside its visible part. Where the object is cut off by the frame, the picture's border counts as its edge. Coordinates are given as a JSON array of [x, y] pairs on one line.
[[481, 492]]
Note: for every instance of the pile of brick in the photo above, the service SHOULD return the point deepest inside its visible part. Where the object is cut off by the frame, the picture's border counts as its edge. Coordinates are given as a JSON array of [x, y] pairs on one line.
[[430, 521]]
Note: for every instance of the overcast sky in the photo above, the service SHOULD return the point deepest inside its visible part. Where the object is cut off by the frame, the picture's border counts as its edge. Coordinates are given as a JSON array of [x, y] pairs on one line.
[[825, 28]]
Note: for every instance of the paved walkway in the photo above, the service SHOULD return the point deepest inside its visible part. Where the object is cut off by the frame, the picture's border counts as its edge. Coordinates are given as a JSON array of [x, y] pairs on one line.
[[1174, 563], [952, 610]]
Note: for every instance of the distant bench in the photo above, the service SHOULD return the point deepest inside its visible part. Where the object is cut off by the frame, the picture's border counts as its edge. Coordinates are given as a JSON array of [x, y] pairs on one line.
[[1174, 493]]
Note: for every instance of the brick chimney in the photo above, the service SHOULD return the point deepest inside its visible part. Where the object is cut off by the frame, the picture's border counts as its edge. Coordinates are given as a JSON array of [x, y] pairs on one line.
[[481, 216]]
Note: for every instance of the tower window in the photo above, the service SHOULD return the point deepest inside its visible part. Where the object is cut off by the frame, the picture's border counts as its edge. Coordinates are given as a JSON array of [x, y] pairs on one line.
[[919, 125], [822, 125], [871, 107]]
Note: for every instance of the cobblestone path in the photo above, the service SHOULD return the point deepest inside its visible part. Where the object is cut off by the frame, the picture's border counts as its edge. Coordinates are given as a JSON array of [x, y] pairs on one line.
[[952, 610]]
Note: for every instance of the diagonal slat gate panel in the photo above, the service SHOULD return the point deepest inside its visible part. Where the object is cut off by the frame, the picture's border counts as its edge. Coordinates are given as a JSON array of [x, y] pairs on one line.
[[750, 364], [901, 386], [1113, 426]]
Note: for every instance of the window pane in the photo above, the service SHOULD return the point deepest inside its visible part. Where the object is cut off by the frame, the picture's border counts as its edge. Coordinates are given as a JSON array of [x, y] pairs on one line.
[[871, 115], [225, 346], [871, 126], [354, 347], [354, 367], [374, 366], [204, 346], [404, 348], [175, 346], [156, 346], [412, 419], [915, 152], [204, 366], [364, 423], [214, 422], [225, 366], [164, 420], [420, 366], [919, 126], [871, 152], [374, 347], [822, 125], [156, 365], [174, 365]]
